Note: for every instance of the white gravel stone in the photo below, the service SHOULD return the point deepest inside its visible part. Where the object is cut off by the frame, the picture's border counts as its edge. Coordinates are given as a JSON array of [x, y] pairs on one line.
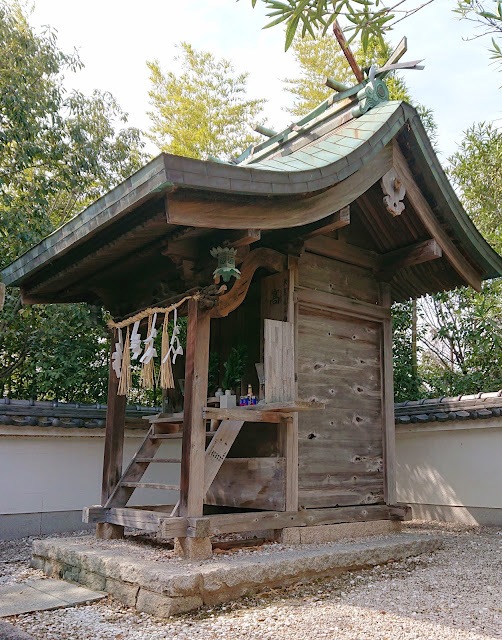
[[452, 594]]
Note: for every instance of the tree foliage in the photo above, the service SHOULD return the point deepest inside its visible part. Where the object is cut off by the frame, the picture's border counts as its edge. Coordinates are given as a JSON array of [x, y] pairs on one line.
[[476, 171], [406, 332], [203, 111], [463, 329], [489, 23], [370, 20], [58, 151], [317, 58], [462, 341]]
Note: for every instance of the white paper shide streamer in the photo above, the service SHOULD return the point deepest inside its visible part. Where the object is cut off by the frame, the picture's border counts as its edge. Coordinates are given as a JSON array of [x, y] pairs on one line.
[[129, 350], [135, 341], [150, 350], [117, 355], [175, 347]]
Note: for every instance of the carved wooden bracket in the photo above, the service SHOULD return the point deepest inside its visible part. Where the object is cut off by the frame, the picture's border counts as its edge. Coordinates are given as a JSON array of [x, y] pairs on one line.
[[268, 259], [394, 193]]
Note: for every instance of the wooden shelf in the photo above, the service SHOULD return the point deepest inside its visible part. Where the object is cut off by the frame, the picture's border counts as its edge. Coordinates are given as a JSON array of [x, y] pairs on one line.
[[271, 412]]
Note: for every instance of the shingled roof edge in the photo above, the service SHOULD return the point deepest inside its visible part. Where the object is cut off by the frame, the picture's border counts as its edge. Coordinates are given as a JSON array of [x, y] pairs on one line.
[[167, 172]]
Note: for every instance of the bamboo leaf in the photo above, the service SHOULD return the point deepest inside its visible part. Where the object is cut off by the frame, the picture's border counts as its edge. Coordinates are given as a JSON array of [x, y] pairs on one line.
[[274, 22], [290, 31], [329, 22], [365, 40], [487, 14], [307, 27], [279, 6], [300, 7]]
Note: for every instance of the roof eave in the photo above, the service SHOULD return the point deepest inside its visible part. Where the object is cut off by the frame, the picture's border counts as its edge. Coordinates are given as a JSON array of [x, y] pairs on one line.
[[168, 172], [465, 230]]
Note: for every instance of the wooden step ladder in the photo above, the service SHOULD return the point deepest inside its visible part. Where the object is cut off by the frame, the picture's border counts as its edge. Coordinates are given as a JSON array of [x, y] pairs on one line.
[[221, 441]]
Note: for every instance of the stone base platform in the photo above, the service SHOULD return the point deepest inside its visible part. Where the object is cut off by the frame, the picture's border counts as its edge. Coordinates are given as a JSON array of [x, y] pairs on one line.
[[164, 585]]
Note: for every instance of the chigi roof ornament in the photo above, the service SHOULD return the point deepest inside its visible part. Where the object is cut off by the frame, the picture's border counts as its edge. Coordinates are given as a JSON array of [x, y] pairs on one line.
[[373, 89]]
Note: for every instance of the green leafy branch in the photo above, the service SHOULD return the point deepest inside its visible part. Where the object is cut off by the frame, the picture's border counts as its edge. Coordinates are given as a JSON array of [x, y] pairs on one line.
[[234, 366], [369, 19], [490, 22]]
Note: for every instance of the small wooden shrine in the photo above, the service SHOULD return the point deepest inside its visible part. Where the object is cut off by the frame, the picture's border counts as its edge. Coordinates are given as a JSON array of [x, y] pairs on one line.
[[330, 220]]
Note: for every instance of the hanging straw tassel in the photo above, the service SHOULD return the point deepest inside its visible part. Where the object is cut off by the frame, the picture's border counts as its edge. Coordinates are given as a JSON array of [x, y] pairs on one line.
[[125, 381], [147, 379], [166, 370]]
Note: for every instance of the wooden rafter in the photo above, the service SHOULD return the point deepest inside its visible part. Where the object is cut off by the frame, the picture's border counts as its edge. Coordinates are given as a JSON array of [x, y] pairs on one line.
[[335, 221], [88, 266], [417, 200], [407, 257], [375, 224]]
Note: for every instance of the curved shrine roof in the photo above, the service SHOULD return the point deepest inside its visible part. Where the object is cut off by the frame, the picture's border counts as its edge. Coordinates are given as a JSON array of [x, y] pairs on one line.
[[292, 181]]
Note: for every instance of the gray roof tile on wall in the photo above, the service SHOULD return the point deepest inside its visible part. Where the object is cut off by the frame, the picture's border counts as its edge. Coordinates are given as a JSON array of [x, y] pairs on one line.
[[479, 406], [32, 413]]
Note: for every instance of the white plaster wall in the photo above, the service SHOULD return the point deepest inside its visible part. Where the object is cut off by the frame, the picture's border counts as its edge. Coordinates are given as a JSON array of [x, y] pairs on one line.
[[456, 467], [59, 473]]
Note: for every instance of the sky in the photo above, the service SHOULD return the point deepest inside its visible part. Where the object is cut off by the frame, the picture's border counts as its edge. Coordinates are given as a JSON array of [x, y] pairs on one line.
[[115, 38]]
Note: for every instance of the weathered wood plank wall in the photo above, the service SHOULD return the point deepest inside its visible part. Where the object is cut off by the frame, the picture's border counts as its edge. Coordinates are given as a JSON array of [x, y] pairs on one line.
[[340, 448], [332, 276], [253, 483]]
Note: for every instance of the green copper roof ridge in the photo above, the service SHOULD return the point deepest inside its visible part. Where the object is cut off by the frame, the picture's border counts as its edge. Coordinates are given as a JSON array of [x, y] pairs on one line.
[[265, 153], [344, 149], [309, 117]]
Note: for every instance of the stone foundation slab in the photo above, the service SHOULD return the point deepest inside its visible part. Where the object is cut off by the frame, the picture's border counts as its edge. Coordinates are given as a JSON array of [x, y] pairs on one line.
[[334, 532], [169, 587]]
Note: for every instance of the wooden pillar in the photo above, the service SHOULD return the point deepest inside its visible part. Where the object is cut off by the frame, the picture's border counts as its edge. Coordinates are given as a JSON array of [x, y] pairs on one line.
[[290, 452], [194, 427], [389, 435], [114, 446]]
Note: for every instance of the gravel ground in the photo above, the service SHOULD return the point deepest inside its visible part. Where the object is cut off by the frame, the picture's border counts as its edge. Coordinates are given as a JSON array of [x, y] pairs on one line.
[[454, 593]]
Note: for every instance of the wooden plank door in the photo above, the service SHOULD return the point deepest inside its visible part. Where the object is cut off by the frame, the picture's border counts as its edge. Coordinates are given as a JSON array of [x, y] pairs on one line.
[[340, 448]]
